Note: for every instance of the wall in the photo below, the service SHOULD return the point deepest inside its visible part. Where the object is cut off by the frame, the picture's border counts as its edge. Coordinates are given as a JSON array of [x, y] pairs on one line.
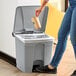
[[28, 2], [7, 9], [61, 5]]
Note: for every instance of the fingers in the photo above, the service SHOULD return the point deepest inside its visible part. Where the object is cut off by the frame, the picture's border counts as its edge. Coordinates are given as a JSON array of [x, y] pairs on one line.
[[37, 12]]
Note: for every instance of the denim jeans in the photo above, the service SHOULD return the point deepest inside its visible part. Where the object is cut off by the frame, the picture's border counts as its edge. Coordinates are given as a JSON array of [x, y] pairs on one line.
[[68, 26]]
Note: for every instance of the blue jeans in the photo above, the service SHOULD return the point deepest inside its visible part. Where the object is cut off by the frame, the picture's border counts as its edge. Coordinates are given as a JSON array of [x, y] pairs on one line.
[[68, 26]]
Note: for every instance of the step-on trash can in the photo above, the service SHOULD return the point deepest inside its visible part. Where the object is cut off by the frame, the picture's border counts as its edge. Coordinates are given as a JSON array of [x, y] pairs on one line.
[[33, 47]]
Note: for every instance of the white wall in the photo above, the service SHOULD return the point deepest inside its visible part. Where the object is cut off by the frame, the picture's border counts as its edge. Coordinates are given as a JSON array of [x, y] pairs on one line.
[[60, 4], [28, 2], [7, 13]]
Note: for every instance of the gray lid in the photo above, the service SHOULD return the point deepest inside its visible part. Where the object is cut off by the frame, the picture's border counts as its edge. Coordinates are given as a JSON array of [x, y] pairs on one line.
[[23, 16]]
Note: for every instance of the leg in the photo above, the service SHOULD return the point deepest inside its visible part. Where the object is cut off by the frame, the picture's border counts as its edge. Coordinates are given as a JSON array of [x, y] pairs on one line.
[[62, 38], [73, 34], [73, 30]]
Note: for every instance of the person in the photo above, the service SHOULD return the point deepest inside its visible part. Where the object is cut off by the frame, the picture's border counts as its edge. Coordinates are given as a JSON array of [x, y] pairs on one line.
[[68, 26]]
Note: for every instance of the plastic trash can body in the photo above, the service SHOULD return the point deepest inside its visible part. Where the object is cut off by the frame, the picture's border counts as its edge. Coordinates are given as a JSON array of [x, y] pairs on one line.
[[33, 47], [28, 53]]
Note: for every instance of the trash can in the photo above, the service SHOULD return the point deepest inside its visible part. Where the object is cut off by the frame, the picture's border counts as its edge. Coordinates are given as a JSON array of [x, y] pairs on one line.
[[33, 47]]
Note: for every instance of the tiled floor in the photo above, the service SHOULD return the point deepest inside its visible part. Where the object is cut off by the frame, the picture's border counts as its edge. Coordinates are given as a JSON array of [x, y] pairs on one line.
[[65, 68]]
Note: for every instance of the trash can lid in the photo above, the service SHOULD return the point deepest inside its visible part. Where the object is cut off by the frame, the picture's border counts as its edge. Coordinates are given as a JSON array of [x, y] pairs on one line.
[[23, 22]]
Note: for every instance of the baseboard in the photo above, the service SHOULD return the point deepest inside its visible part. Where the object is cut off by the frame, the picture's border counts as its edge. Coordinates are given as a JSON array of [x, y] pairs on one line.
[[8, 58]]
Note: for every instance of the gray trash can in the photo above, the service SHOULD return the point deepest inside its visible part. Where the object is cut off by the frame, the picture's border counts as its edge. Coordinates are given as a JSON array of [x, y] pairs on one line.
[[33, 47]]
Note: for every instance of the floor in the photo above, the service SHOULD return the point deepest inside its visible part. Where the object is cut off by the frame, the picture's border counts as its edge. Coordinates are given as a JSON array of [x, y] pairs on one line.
[[65, 68]]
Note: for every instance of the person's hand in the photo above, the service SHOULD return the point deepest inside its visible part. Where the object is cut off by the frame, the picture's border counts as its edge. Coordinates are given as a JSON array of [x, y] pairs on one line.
[[37, 12]]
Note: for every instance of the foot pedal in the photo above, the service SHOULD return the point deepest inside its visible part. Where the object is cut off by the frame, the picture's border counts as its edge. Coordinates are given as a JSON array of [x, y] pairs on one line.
[[37, 63]]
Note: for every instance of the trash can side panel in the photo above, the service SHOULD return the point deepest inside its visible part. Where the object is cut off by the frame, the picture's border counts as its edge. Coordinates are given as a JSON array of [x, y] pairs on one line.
[[39, 51], [48, 52], [24, 56], [20, 54], [29, 57]]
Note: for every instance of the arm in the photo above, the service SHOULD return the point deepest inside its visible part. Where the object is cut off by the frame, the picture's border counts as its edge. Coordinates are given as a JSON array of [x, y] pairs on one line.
[[43, 4], [38, 11]]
